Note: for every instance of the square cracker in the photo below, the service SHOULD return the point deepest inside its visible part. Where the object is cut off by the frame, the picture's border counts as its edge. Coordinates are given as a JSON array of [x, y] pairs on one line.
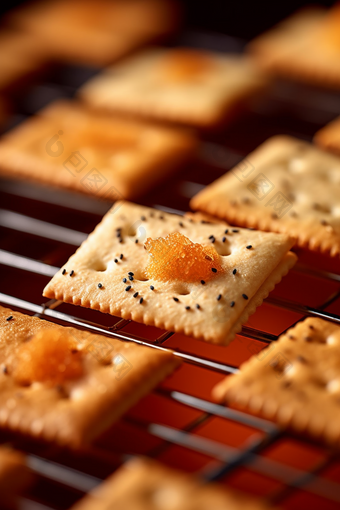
[[294, 382], [21, 57], [181, 85], [115, 376], [95, 33], [98, 261], [143, 483], [285, 185], [14, 477], [306, 47], [328, 137], [70, 146]]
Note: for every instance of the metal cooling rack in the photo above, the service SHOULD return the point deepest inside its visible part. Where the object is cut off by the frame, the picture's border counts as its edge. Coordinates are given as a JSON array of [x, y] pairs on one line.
[[63, 477]]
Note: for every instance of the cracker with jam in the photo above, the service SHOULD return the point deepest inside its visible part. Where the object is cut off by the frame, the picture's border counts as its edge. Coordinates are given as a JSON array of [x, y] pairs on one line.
[[181, 85], [67, 385], [194, 277]]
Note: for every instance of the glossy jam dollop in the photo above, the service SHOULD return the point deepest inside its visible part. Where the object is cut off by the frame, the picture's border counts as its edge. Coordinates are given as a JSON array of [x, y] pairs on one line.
[[176, 258], [51, 356]]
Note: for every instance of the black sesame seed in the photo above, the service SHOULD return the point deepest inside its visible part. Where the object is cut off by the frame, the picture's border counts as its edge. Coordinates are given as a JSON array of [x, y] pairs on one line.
[[235, 230], [128, 288], [187, 307], [119, 234], [161, 217], [64, 271], [72, 273], [249, 247], [234, 271], [141, 300], [121, 256], [136, 241], [291, 337], [5, 369], [219, 297], [100, 285], [224, 239], [152, 287], [9, 318], [176, 299], [214, 270], [181, 224], [131, 278], [202, 282], [116, 261], [311, 326], [120, 241], [232, 304], [135, 294], [226, 231], [198, 306], [323, 222], [212, 239], [124, 280], [244, 296], [130, 273], [143, 218]]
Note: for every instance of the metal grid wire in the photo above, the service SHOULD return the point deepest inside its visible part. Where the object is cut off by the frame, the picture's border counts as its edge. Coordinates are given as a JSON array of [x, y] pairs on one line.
[[70, 482]]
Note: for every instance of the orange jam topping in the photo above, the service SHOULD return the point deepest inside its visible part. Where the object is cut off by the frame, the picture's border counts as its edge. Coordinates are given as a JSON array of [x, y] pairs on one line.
[[183, 65], [175, 257], [51, 356]]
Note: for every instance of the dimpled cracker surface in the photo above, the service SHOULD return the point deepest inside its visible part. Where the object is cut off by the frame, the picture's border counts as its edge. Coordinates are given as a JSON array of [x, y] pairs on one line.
[[69, 146], [186, 86], [115, 376], [295, 381], [144, 484], [14, 477], [305, 47], [213, 311], [285, 185]]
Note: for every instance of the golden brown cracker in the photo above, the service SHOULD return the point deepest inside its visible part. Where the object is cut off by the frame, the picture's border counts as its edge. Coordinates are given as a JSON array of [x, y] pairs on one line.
[[144, 484], [69, 146], [302, 47], [252, 263], [328, 137], [95, 33], [114, 376], [21, 57], [294, 382], [285, 185], [184, 86]]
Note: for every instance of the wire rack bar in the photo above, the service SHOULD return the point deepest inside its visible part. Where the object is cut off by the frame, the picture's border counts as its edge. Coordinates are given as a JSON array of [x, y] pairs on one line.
[[38, 309], [20, 262], [21, 223]]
